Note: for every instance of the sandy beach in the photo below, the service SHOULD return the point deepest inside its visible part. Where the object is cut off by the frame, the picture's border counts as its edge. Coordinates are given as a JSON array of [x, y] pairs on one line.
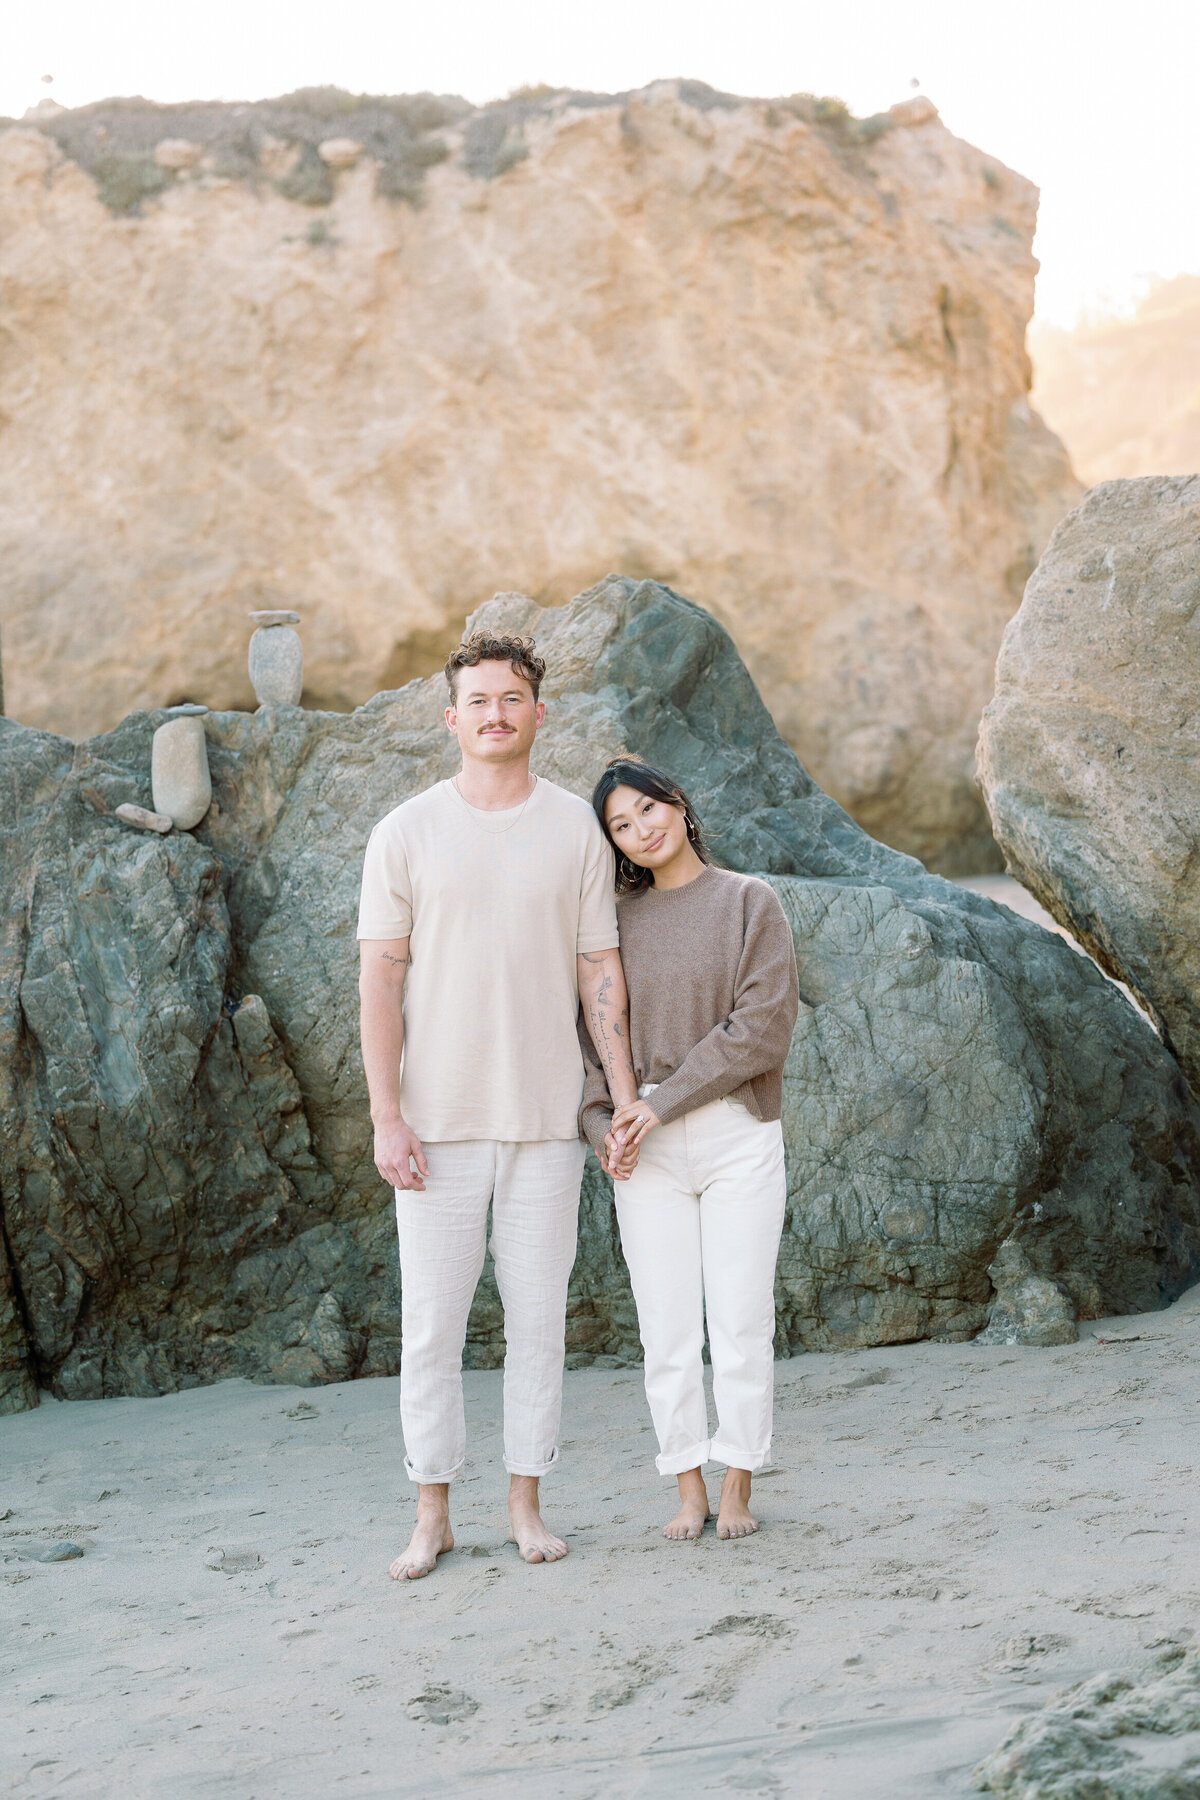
[[951, 1535]]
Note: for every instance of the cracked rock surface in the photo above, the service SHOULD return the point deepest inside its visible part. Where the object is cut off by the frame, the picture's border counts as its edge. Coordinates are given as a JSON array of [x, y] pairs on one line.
[[1089, 753], [185, 1167]]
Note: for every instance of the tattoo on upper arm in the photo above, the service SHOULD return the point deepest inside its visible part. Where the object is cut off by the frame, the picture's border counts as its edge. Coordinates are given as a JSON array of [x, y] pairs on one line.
[[386, 956]]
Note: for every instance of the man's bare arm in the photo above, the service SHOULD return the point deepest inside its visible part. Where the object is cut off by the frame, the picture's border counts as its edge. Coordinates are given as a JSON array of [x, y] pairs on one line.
[[383, 964], [606, 1015]]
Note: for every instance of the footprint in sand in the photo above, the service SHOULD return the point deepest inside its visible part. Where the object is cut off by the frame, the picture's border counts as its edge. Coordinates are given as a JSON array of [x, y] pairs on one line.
[[440, 1705], [233, 1562], [764, 1625]]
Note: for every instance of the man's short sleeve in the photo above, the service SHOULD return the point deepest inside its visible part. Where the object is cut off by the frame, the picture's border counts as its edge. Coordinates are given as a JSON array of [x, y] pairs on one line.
[[385, 907], [597, 896]]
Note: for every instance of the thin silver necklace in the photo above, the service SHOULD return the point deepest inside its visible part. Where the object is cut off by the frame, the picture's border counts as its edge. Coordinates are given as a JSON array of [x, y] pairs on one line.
[[477, 813]]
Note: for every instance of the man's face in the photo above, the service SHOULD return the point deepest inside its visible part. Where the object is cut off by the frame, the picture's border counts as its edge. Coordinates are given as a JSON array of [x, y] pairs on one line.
[[495, 716]]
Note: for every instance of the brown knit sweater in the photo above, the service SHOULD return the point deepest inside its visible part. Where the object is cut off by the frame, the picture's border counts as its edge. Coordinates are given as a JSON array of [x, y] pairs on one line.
[[711, 972]]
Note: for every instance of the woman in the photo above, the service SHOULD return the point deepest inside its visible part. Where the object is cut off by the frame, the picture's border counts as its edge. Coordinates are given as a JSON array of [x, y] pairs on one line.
[[698, 1158]]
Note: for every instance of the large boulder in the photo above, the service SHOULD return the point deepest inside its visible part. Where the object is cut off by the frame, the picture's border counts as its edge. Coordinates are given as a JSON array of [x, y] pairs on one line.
[[1089, 753], [758, 349], [186, 1159]]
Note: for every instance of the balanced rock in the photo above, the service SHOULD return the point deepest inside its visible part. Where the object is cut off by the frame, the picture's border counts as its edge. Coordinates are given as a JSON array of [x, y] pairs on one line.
[[179, 776], [185, 1156], [277, 665], [1089, 752]]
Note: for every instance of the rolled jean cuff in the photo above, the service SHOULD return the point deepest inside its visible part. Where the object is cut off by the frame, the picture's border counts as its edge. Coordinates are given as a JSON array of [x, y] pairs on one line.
[[675, 1464], [733, 1458], [431, 1480], [535, 1469]]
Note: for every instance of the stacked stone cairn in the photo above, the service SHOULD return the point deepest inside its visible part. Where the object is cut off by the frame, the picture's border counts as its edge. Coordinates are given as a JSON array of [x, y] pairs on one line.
[[180, 782]]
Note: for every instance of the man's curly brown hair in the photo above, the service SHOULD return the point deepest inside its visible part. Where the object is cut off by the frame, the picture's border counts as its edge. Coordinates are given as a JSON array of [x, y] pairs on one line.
[[519, 652]]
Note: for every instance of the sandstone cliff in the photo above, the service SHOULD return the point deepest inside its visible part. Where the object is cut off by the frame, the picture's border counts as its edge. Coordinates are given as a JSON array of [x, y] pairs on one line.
[[1124, 394], [375, 359], [185, 1154]]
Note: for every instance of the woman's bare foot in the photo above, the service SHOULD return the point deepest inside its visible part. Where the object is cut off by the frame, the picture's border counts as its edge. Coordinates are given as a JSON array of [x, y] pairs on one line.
[[526, 1527], [689, 1521], [431, 1537], [734, 1518]]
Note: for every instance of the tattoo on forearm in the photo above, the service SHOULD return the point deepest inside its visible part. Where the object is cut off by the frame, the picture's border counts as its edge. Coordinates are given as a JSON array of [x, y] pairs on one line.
[[604, 1027]]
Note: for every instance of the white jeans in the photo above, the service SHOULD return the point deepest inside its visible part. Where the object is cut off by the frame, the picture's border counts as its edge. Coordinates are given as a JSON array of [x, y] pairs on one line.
[[701, 1218], [533, 1190]]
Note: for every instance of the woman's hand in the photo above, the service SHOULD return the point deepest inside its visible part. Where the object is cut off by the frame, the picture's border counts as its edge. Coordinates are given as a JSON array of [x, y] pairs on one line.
[[633, 1121], [618, 1160]]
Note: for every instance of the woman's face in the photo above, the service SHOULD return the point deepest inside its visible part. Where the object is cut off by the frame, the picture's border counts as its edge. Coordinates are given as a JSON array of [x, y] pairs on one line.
[[651, 833]]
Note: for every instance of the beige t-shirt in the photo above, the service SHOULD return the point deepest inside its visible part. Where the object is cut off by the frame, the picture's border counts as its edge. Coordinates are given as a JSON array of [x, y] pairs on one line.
[[496, 906]]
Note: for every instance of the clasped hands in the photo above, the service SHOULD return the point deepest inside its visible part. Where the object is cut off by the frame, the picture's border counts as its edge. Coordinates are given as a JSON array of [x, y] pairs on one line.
[[398, 1148], [624, 1138]]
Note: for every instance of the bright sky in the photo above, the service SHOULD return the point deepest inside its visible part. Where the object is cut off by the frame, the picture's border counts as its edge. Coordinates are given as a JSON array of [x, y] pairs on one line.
[[1096, 102]]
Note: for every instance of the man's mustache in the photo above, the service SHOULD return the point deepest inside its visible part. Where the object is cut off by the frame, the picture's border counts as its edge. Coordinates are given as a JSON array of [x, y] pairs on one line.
[[511, 729]]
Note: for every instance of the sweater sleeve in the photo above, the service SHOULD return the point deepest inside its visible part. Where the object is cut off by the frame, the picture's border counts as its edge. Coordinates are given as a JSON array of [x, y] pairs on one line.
[[758, 1032], [596, 1107]]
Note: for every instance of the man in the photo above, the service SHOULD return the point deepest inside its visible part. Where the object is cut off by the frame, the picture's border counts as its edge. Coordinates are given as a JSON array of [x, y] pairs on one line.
[[487, 909]]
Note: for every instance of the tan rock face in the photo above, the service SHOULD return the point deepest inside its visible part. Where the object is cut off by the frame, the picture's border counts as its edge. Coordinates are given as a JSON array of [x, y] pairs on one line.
[[768, 356], [1090, 751], [1125, 393]]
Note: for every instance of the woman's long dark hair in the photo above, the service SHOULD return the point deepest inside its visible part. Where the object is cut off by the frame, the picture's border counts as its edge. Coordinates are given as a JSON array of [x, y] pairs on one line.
[[628, 771]]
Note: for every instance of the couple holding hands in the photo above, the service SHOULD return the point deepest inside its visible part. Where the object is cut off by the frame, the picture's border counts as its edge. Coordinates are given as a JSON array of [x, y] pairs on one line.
[[536, 975]]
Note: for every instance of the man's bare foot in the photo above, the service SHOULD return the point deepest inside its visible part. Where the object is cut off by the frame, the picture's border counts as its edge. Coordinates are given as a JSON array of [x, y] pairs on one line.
[[689, 1521], [431, 1538], [734, 1518], [526, 1528]]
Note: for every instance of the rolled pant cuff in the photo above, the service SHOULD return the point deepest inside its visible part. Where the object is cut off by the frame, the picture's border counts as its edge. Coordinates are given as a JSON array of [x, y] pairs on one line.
[[537, 1470], [431, 1480], [733, 1458], [675, 1464]]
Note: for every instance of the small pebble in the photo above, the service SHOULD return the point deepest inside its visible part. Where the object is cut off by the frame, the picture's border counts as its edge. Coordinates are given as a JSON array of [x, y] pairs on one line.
[[281, 616], [143, 818]]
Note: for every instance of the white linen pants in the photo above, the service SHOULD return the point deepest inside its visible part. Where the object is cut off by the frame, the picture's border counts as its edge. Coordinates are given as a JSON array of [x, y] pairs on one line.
[[533, 1190], [701, 1218]]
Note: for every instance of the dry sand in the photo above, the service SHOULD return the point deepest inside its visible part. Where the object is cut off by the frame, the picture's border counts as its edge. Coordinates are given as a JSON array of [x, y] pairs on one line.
[[951, 1534]]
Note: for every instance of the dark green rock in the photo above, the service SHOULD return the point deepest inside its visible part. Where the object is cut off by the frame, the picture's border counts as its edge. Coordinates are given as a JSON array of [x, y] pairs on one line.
[[186, 1174]]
